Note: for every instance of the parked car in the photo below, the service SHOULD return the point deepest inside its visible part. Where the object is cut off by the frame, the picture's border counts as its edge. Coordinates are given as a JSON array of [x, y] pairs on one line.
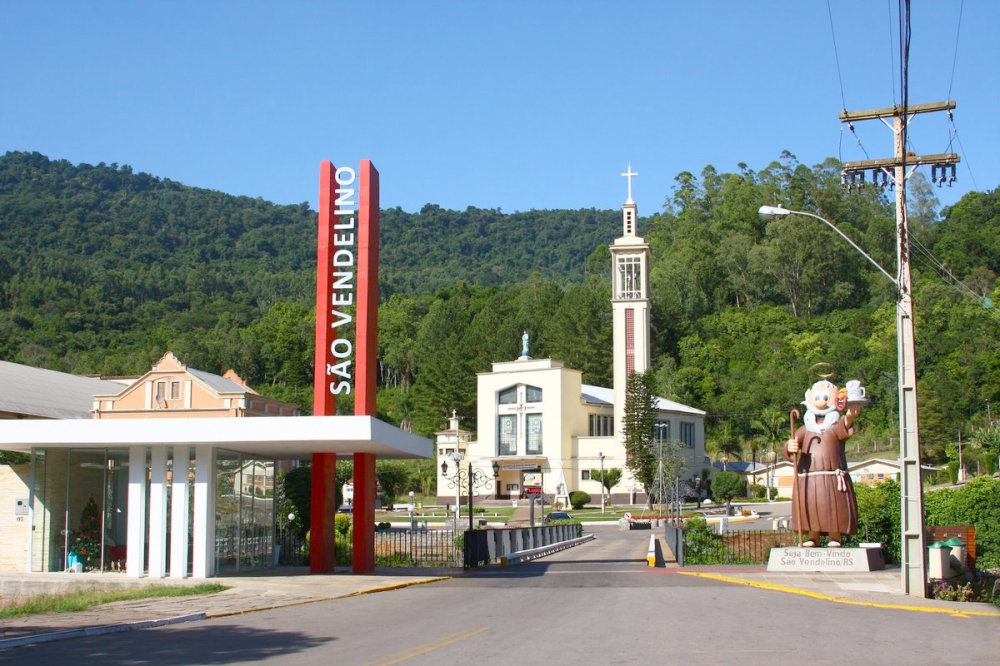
[[553, 516]]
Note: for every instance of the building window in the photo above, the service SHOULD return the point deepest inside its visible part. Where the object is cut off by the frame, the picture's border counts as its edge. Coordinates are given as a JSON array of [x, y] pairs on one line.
[[687, 434], [534, 394], [508, 435], [508, 396], [161, 392], [175, 390], [585, 475], [601, 426], [533, 428], [630, 277]]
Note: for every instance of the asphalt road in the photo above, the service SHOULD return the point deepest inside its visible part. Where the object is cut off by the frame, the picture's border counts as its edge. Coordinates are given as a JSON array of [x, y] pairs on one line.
[[594, 604]]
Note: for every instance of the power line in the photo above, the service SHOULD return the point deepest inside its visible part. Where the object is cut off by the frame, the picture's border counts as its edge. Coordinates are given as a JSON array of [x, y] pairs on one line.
[[954, 60], [836, 55], [892, 65]]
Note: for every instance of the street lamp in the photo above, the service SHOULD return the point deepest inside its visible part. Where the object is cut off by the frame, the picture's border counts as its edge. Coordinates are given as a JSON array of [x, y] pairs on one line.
[[912, 555], [413, 522], [660, 427], [601, 456], [771, 212], [474, 480], [456, 457]]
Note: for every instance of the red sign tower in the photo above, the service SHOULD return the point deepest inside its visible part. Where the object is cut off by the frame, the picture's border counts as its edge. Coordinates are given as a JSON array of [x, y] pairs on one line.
[[346, 280]]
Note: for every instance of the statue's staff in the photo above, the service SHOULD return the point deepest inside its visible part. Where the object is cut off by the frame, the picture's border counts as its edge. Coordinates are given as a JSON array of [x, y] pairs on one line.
[[796, 495]]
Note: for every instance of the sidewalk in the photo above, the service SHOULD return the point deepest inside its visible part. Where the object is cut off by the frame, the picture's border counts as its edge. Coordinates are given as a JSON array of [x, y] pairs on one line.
[[881, 589], [246, 594]]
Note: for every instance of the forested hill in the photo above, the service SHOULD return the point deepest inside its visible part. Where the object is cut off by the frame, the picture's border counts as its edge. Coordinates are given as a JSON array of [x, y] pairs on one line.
[[436, 247], [101, 257], [138, 223]]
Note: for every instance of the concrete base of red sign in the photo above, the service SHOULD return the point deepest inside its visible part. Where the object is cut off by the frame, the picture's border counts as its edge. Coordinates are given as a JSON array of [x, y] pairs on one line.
[[826, 559]]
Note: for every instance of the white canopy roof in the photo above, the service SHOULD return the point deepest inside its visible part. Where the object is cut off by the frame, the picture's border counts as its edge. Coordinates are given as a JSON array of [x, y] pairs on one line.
[[286, 438]]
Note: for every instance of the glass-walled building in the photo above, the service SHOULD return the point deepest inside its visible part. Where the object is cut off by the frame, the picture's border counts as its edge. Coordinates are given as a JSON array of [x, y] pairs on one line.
[[80, 509], [168, 474]]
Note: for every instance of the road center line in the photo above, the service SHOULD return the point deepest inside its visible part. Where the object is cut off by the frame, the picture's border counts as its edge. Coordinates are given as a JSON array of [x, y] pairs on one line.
[[425, 648]]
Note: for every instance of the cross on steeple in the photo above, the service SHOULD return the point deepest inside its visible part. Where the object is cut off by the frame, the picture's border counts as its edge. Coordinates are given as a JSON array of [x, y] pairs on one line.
[[628, 174]]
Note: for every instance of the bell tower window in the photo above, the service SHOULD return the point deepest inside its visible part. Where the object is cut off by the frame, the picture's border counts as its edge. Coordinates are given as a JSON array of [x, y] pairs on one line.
[[630, 277]]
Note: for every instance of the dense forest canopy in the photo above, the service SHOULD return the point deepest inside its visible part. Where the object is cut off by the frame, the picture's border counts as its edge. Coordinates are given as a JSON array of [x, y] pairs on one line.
[[103, 269]]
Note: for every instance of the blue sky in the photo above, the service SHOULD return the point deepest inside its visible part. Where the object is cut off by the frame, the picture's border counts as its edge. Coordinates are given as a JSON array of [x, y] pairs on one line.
[[517, 105]]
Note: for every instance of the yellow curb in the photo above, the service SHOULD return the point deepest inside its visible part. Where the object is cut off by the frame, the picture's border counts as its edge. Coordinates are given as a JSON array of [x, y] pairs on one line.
[[373, 590], [825, 597]]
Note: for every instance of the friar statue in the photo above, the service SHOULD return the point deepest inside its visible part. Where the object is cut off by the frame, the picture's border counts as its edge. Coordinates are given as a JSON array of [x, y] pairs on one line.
[[823, 500]]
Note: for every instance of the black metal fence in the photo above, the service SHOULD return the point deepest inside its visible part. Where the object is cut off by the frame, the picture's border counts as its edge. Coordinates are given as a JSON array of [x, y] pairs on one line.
[[293, 550], [699, 545], [418, 548]]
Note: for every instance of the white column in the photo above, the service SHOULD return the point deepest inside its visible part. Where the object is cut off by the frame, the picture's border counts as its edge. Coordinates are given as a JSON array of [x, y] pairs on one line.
[[136, 536], [158, 511], [203, 565], [179, 513]]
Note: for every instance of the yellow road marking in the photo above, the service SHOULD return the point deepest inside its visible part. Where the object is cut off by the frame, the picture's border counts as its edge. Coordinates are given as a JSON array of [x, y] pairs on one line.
[[825, 597], [403, 655]]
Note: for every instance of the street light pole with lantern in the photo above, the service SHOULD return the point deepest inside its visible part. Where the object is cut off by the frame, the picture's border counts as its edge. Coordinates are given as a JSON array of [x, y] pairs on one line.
[[601, 456], [456, 483], [473, 479]]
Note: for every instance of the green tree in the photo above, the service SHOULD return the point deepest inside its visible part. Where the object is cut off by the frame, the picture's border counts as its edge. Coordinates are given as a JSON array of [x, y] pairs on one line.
[[640, 420], [445, 373], [608, 479], [878, 517], [723, 445], [977, 503], [579, 332], [988, 439], [726, 486]]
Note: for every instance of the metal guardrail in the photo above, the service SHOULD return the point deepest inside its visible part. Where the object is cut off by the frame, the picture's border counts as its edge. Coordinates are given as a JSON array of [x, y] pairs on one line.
[[533, 553], [402, 547]]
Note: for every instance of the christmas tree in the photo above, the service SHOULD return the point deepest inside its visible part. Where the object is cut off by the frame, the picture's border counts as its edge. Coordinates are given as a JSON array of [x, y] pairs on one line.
[[87, 545]]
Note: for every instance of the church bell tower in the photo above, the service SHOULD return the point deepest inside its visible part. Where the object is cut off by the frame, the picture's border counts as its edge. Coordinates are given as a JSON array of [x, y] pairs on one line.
[[629, 303]]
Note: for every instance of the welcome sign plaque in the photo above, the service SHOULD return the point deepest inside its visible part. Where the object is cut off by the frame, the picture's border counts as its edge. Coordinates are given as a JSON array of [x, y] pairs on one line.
[[826, 559]]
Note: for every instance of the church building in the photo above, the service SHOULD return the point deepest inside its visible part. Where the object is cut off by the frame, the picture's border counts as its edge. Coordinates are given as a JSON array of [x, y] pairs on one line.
[[542, 430]]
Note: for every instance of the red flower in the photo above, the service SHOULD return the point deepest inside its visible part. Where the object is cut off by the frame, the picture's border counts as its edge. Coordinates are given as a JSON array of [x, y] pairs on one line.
[[83, 551]]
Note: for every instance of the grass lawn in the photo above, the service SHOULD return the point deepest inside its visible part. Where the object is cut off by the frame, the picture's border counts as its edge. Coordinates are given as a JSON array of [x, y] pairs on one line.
[[85, 598]]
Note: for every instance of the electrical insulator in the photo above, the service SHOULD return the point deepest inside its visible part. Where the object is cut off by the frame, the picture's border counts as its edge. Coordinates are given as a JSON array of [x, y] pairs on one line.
[[933, 173], [952, 179]]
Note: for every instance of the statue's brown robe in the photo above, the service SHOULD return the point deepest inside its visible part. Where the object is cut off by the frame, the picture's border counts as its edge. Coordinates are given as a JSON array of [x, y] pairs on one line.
[[822, 506]]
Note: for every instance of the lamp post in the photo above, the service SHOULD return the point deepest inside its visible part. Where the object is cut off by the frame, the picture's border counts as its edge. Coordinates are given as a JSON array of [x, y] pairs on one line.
[[912, 554], [661, 427], [456, 457], [473, 479], [412, 514], [601, 456]]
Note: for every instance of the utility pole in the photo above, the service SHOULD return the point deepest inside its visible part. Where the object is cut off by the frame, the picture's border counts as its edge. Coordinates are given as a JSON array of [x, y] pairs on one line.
[[912, 553]]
